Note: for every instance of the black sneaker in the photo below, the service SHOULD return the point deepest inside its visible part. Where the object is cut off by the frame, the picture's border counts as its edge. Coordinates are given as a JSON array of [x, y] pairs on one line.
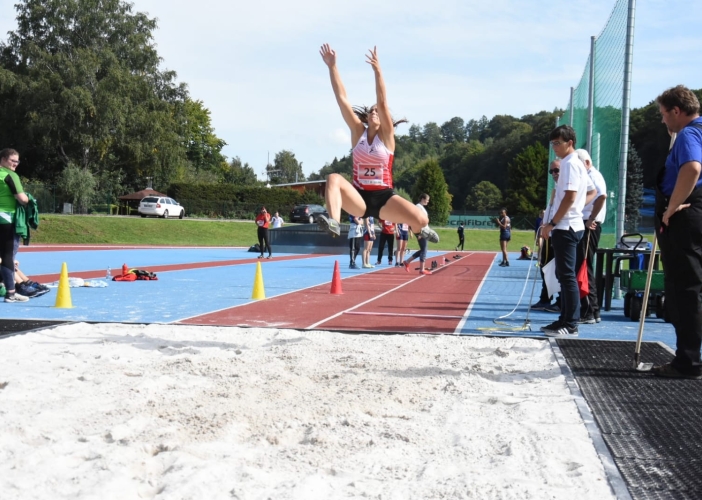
[[587, 320], [506, 263], [553, 308], [38, 286], [540, 306], [502, 264], [553, 326], [353, 266], [562, 332], [329, 225], [26, 290]]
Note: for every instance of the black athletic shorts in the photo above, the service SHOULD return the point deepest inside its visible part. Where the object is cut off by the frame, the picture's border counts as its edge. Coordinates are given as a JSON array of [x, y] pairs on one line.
[[375, 200]]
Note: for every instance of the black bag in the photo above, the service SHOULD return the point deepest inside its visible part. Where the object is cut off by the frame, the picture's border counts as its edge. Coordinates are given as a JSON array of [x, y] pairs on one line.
[[255, 248]]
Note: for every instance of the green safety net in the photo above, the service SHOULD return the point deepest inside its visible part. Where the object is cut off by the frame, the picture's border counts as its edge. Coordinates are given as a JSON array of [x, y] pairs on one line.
[[610, 48]]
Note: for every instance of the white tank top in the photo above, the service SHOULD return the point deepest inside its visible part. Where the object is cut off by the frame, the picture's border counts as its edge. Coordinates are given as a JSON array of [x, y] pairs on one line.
[[372, 164]]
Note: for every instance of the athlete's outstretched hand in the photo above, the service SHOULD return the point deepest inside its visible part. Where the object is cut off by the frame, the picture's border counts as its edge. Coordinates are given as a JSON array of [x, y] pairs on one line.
[[328, 55], [372, 57]]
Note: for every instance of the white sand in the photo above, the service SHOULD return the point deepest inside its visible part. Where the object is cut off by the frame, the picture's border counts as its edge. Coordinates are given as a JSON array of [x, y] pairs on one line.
[[175, 412]]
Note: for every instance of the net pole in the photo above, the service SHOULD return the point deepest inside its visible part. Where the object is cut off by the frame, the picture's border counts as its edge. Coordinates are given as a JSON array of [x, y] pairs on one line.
[[591, 97], [572, 94], [624, 141]]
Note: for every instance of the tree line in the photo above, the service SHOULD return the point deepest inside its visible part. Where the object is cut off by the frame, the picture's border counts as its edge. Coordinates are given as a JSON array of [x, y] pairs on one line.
[[84, 99]]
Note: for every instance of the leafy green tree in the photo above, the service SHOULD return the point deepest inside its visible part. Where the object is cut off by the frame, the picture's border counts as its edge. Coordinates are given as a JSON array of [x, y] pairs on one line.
[[343, 167], [431, 136], [484, 196], [79, 185], [453, 130], [236, 173], [527, 181], [203, 147], [431, 181], [285, 168], [80, 83], [634, 190]]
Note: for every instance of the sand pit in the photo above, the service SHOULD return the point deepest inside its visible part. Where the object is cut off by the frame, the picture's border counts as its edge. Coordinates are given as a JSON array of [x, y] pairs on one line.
[[175, 412]]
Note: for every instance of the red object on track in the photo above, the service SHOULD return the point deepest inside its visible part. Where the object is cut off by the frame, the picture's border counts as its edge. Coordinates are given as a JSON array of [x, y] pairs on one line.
[[336, 280]]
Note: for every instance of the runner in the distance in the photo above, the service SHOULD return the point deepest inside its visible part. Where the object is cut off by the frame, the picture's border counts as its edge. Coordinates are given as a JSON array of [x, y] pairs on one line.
[[373, 142]]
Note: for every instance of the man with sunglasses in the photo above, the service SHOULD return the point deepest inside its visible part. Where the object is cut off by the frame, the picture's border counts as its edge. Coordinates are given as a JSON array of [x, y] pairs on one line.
[[11, 193], [593, 217], [679, 229], [546, 248], [566, 228]]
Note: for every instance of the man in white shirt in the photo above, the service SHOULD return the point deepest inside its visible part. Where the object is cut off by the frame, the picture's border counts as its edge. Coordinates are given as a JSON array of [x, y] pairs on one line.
[[566, 227], [277, 221], [594, 215]]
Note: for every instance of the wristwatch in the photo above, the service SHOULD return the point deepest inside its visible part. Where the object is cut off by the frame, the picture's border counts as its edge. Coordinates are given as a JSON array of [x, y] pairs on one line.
[[552, 223]]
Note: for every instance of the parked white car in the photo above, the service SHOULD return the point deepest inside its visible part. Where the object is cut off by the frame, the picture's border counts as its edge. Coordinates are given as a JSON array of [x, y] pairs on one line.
[[161, 207]]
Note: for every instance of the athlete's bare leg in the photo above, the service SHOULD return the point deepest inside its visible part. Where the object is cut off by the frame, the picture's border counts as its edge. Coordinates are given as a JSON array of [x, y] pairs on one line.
[[340, 194], [399, 209]]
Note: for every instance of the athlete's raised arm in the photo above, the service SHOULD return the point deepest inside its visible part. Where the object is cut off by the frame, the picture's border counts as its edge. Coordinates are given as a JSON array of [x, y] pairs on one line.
[[387, 129], [354, 123]]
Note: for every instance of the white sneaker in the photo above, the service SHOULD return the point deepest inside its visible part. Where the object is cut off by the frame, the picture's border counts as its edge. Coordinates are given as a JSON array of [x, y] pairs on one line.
[[16, 298], [429, 234]]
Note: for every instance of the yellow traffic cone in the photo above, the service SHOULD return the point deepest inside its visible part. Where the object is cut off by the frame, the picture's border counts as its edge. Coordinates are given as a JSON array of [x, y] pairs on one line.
[[258, 291], [63, 296]]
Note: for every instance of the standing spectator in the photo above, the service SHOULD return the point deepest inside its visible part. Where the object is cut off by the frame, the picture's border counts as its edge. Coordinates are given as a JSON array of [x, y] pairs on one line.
[[263, 220], [594, 215], [11, 193], [505, 224], [422, 252], [402, 232], [679, 229], [387, 235], [546, 249], [567, 228], [461, 236], [277, 221], [356, 229], [368, 239]]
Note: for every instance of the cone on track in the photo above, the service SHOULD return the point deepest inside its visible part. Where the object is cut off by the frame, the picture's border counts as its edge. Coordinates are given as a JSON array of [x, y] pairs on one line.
[[258, 291], [336, 280], [63, 296]]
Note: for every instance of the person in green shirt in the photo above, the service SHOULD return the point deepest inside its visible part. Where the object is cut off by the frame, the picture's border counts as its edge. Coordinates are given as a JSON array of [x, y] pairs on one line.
[[11, 193]]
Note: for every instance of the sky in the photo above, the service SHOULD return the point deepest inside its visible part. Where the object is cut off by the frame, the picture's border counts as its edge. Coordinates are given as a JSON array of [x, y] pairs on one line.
[[256, 65]]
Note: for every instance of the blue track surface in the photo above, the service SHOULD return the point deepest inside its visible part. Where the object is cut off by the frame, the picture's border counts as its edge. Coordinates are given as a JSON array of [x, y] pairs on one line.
[[182, 294]]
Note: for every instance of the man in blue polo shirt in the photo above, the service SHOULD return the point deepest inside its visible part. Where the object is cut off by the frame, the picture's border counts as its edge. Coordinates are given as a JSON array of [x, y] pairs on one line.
[[679, 229]]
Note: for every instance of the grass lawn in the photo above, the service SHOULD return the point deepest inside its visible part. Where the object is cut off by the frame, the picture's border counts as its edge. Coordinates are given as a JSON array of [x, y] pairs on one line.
[[88, 229]]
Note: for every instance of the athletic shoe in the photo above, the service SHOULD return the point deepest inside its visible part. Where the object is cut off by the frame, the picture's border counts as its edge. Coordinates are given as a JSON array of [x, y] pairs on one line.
[[429, 234], [426, 271], [269, 257], [669, 371], [562, 332], [397, 264], [16, 297], [353, 266], [378, 263], [390, 262], [406, 264], [506, 263], [38, 286], [597, 318], [260, 256], [26, 290], [553, 308], [329, 225], [502, 264], [540, 306], [587, 320], [367, 266], [553, 326]]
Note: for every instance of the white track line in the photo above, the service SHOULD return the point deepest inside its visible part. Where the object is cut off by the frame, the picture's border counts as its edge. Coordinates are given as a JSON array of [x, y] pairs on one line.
[[347, 311], [439, 316], [461, 323]]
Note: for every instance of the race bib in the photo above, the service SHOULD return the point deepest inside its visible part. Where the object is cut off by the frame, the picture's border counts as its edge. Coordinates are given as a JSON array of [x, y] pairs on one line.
[[370, 173], [260, 222]]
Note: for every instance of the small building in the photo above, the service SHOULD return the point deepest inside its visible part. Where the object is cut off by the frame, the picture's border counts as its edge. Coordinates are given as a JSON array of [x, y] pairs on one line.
[[129, 203]]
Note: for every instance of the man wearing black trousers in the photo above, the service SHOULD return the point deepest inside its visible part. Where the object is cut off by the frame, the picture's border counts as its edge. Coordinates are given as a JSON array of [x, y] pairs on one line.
[[387, 235], [679, 229], [461, 236]]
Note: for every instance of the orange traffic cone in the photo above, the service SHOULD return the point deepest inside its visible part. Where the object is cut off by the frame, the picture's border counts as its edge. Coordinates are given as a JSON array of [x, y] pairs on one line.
[[336, 280]]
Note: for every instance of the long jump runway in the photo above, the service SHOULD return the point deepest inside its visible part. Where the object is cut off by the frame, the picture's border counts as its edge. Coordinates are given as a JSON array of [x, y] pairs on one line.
[[213, 286]]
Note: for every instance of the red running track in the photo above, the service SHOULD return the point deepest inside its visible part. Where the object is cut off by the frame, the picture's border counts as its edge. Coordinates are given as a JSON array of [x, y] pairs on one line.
[[390, 300]]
